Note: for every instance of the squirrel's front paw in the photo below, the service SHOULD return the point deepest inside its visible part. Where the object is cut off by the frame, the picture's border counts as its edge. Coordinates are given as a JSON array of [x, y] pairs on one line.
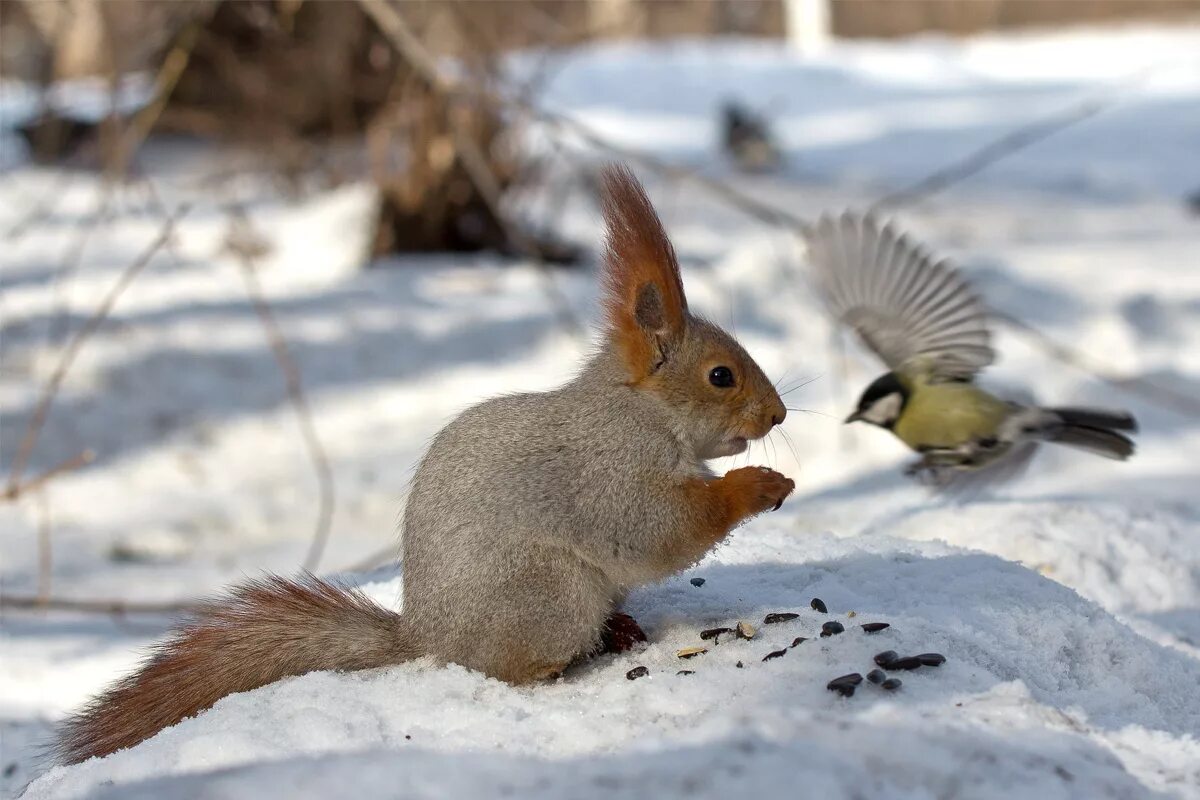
[[760, 488]]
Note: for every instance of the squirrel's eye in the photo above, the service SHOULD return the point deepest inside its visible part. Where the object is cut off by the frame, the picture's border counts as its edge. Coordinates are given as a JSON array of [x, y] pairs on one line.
[[721, 376]]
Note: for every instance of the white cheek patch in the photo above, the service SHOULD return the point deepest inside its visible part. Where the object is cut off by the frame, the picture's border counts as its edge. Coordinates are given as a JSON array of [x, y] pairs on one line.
[[885, 410]]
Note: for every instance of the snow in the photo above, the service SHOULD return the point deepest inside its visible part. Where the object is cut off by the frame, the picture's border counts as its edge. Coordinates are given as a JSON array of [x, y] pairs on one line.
[[1068, 604]]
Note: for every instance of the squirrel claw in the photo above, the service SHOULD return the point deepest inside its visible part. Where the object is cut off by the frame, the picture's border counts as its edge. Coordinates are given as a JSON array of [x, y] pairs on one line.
[[778, 505]]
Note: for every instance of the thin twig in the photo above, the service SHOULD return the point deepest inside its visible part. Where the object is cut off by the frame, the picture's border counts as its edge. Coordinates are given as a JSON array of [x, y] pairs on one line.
[[70, 465], [992, 152], [50, 390], [45, 549], [165, 81], [293, 383], [474, 161], [1153, 391], [114, 607]]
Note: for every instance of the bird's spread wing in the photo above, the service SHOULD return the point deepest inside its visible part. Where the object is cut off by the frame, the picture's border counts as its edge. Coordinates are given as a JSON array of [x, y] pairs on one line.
[[909, 307]]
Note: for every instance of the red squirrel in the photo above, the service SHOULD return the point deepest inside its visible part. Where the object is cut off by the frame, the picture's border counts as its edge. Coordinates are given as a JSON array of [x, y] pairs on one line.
[[530, 518]]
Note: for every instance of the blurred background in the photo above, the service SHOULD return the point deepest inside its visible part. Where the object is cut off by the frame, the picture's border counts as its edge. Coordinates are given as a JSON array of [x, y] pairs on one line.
[[254, 254]]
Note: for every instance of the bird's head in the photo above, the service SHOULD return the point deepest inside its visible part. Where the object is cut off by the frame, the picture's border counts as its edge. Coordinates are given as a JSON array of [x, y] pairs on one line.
[[881, 403]]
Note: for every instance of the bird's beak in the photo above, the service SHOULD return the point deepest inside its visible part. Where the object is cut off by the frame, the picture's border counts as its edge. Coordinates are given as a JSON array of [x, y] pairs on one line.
[[854, 417]]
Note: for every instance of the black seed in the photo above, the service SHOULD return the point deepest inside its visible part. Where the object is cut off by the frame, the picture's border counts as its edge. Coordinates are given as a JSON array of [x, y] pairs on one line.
[[739, 665], [831, 628], [686, 672], [798, 640], [637, 672], [713, 633], [908, 662], [845, 684], [876, 676], [774, 654], [875, 627], [697, 581], [886, 657], [892, 684], [779, 616], [819, 605], [931, 659]]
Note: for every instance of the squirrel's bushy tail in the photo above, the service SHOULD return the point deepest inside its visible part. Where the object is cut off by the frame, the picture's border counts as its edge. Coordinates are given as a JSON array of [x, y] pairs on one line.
[[260, 632]]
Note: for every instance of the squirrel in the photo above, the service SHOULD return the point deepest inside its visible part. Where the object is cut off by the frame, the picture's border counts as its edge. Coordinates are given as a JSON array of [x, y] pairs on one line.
[[530, 517]]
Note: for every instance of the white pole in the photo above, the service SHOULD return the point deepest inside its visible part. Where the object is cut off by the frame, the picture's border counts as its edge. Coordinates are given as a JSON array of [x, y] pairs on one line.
[[809, 25]]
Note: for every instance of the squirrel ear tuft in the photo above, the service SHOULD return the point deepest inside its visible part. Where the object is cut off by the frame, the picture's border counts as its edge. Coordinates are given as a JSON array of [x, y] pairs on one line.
[[645, 307]]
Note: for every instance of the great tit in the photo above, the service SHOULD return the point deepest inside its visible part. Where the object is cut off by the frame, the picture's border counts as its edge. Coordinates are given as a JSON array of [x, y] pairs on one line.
[[918, 314]]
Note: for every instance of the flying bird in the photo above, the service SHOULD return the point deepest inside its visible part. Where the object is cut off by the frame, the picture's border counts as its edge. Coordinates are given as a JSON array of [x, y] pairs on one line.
[[920, 316]]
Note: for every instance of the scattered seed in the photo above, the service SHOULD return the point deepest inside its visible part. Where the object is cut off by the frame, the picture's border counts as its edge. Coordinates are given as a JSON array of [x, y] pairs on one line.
[[845, 684], [779, 616], [908, 662], [697, 581], [686, 672], [932, 659], [875, 627], [876, 676], [637, 672], [739, 665], [819, 605], [774, 654], [745, 630], [690, 652], [892, 684], [851, 613], [832, 628], [798, 640], [713, 633], [886, 657]]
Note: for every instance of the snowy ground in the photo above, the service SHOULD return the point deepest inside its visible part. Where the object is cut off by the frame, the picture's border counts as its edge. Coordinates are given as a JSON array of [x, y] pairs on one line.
[[1068, 605]]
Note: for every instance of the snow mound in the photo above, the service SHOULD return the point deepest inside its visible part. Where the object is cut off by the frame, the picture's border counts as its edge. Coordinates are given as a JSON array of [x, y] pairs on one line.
[[1043, 692]]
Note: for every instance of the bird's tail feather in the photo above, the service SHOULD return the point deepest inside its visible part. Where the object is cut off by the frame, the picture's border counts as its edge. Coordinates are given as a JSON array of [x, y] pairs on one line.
[[1094, 430]]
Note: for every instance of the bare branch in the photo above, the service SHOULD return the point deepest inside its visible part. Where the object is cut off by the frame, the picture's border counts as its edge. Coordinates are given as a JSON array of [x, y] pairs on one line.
[[1155, 392], [50, 390], [12, 492], [113, 607], [473, 159], [992, 152], [240, 244]]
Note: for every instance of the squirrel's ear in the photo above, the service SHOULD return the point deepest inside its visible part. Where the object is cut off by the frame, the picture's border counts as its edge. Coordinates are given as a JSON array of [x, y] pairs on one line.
[[644, 302]]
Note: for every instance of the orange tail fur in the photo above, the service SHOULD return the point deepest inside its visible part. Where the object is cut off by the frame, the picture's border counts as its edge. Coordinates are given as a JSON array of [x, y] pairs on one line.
[[260, 632]]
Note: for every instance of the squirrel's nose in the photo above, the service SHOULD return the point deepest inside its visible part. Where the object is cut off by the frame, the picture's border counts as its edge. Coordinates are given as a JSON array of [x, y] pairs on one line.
[[779, 414]]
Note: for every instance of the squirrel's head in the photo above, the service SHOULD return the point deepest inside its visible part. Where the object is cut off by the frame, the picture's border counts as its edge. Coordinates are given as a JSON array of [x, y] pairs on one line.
[[722, 397]]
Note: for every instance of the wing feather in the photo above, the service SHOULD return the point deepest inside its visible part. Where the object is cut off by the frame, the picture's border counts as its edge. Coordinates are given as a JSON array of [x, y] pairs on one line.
[[904, 303]]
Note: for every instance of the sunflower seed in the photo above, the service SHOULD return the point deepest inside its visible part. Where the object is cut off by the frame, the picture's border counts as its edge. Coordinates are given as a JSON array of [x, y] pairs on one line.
[[845, 684], [819, 605], [779, 616], [774, 654], [876, 676], [908, 662], [697, 581], [637, 672], [875, 627], [713, 633], [745, 630], [931, 659], [690, 652], [797, 641], [832, 628], [686, 672], [886, 657], [892, 684]]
